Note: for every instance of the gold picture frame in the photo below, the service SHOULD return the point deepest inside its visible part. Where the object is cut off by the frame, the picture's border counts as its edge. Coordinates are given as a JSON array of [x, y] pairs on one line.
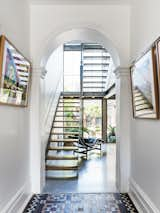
[[144, 86], [15, 75]]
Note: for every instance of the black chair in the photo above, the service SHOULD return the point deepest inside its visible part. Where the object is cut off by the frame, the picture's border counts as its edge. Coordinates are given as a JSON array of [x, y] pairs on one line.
[[88, 144]]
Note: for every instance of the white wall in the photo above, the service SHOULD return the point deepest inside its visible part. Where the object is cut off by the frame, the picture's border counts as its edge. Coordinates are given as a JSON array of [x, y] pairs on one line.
[[50, 22], [112, 20], [145, 147], [44, 97], [14, 143]]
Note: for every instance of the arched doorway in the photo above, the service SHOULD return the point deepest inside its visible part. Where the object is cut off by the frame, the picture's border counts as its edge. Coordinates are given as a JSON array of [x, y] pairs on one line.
[[37, 149]]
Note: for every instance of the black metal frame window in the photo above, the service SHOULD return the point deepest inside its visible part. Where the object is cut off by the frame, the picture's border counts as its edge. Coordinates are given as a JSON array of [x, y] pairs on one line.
[[93, 65]]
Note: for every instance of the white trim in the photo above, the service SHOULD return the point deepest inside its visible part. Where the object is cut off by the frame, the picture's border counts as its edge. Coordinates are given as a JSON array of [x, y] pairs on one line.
[[123, 120], [121, 71], [18, 202], [141, 199], [63, 34]]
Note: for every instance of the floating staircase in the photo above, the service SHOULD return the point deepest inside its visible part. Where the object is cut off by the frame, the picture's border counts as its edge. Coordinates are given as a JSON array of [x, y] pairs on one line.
[[61, 158], [96, 61]]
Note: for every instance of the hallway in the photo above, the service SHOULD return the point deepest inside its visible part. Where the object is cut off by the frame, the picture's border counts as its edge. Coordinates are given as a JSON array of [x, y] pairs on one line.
[[96, 175], [95, 184], [62, 63]]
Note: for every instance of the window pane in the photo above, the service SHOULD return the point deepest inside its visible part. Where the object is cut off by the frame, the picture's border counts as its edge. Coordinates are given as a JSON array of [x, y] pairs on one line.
[[92, 118], [72, 71]]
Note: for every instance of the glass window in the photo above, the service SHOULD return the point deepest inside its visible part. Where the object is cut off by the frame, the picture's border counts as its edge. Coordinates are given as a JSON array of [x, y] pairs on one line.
[[72, 71], [92, 118]]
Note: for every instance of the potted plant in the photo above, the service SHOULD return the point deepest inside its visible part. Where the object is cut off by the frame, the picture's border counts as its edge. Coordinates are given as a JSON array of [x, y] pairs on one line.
[[111, 134]]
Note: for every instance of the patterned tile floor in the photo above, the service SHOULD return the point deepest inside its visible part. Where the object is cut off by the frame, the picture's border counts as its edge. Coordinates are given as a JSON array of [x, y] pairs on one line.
[[80, 203]]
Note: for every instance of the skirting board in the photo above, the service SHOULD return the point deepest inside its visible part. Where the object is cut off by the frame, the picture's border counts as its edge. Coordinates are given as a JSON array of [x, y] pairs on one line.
[[141, 199], [19, 201]]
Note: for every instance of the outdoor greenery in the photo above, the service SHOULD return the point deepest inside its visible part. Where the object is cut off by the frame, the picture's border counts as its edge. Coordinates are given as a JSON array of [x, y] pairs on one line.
[[91, 119], [111, 136]]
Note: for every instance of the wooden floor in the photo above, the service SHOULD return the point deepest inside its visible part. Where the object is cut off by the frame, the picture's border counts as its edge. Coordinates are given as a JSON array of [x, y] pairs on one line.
[[97, 174]]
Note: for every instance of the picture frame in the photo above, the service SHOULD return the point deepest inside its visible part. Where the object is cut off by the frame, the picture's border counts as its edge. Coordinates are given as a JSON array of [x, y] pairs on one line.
[[144, 86], [15, 75], [157, 43]]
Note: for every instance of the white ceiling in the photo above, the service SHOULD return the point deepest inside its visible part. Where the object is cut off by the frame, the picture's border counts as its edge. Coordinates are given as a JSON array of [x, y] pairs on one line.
[[118, 2]]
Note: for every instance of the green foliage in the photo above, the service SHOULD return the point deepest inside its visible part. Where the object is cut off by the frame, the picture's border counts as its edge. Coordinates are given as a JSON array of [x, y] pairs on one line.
[[84, 129], [93, 111], [112, 130], [111, 134]]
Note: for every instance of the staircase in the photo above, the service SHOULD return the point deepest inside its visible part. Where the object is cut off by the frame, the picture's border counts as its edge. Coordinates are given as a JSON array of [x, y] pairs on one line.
[[96, 61], [61, 158]]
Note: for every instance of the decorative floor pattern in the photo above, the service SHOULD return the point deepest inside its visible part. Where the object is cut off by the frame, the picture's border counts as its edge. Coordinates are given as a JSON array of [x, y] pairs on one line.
[[81, 203]]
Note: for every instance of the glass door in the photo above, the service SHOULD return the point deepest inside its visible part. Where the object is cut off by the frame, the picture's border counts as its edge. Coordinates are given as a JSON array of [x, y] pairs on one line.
[[92, 118]]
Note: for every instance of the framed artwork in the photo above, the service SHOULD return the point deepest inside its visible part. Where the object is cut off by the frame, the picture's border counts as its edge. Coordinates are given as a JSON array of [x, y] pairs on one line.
[[15, 72], [158, 57], [144, 84]]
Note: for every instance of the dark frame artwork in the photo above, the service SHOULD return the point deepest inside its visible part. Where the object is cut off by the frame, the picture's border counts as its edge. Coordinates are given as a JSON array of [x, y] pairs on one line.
[[158, 59], [15, 75], [144, 86]]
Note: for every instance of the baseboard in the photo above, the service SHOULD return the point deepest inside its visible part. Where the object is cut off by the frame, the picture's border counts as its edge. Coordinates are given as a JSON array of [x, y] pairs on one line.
[[18, 201], [141, 199]]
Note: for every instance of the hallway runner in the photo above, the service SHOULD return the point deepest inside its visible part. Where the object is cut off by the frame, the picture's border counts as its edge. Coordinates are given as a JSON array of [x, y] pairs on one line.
[[80, 203]]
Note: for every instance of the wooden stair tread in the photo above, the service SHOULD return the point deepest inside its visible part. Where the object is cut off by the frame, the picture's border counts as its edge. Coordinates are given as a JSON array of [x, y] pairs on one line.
[[66, 116], [63, 140], [64, 177], [48, 167], [69, 99], [65, 133], [67, 127], [62, 174], [65, 157], [67, 102], [66, 121], [67, 111], [61, 163], [65, 148], [71, 106]]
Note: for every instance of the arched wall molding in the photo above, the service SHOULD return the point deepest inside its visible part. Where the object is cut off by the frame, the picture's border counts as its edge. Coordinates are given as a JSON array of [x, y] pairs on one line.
[[54, 40], [82, 34]]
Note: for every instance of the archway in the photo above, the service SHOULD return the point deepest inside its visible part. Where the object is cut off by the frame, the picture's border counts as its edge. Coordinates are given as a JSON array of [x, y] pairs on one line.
[[87, 35], [78, 34]]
